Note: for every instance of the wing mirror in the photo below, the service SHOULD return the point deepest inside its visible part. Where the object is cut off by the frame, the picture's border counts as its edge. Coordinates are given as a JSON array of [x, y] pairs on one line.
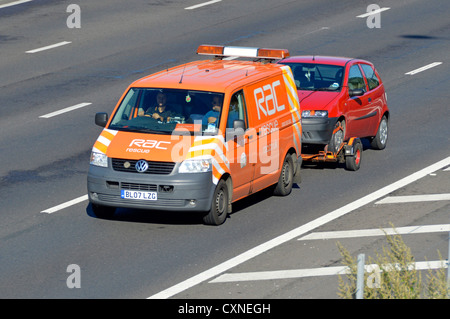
[[237, 130], [101, 119], [357, 92]]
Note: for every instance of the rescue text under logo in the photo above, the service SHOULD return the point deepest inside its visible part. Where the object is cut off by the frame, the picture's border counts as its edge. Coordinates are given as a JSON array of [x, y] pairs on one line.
[[263, 96]]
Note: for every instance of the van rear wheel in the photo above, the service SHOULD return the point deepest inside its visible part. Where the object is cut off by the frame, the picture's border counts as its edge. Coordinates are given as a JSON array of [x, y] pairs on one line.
[[286, 179], [219, 206]]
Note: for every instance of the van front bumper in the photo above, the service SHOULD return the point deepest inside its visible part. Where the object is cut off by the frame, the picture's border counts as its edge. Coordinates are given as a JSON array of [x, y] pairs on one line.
[[175, 192]]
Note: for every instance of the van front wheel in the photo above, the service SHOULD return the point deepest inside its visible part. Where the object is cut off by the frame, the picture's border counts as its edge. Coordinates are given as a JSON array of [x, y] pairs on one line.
[[219, 206], [286, 179]]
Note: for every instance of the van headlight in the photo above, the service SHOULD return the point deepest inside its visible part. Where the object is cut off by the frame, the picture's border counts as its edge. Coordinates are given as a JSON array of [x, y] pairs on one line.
[[195, 166], [99, 159]]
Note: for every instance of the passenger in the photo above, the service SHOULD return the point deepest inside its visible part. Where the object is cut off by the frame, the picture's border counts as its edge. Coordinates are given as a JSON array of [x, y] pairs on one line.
[[212, 116], [233, 112]]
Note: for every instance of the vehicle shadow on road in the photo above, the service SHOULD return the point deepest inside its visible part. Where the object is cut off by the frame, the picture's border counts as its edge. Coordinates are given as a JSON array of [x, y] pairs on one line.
[[179, 218], [151, 216]]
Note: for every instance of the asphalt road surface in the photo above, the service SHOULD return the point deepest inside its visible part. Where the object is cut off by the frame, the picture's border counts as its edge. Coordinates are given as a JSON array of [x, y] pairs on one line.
[[46, 67]]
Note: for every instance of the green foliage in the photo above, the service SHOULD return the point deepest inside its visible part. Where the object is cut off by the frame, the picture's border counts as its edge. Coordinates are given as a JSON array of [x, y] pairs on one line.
[[395, 277]]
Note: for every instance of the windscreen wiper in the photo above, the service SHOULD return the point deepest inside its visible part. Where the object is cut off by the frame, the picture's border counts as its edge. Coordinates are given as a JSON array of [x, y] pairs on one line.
[[138, 130]]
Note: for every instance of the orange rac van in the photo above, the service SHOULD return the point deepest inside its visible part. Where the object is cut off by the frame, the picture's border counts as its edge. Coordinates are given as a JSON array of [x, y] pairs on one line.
[[200, 136]]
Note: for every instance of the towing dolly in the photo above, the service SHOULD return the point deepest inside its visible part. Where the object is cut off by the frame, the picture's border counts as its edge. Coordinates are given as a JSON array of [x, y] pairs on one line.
[[348, 152]]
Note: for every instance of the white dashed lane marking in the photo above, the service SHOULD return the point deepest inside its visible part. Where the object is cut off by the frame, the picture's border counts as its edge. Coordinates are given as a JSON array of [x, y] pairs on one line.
[[426, 67], [367, 14], [311, 272], [409, 230], [65, 205], [48, 47], [414, 198], [202, 4], [67, 109], [13, 3]]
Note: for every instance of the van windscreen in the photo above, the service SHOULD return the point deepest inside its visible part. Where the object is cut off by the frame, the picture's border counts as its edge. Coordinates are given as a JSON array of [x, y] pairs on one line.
[[167, 111]]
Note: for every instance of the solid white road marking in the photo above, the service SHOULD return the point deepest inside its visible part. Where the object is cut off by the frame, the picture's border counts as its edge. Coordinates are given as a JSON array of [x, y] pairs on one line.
[[413, 198], [13, 3], [409, 230], [365, 15], [67, 109], [299, 231], [314, 272], [202, 4], [49, 47], [66, 204], [426, 67], [281, 274]]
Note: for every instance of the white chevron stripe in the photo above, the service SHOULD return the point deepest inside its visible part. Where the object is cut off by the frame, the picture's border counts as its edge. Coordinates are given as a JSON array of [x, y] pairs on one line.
[[103, 140]]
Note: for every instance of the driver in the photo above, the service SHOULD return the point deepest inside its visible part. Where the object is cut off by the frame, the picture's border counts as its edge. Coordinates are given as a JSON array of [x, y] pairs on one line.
[[160, 112]]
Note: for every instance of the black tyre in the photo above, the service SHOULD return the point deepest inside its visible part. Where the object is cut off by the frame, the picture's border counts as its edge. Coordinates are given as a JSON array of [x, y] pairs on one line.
[[103, 211], [337, 138], [219, 206], [353, 162], [286, 179], [380, 140]]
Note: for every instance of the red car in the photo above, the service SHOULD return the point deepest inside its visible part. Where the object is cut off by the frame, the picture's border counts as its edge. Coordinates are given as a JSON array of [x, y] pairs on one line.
[[337, 91]]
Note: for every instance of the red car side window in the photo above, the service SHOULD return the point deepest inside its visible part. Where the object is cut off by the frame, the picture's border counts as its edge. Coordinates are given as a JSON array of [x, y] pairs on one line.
[[355, 79], [372, 80]]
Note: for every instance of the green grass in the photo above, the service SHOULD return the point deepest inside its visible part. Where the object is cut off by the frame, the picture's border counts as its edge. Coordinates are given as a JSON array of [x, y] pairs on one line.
[[397, 279]]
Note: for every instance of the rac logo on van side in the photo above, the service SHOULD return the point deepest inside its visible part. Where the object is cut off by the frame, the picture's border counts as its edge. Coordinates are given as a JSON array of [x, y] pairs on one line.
[[262, 97]]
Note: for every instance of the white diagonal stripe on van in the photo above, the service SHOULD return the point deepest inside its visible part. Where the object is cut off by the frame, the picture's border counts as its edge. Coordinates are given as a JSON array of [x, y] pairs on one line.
[[297, 138], [210, 147], [218, 167], [104, 140], [294, 106]]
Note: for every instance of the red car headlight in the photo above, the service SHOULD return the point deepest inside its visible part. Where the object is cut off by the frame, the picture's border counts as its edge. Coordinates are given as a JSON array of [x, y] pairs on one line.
[[315, 113]]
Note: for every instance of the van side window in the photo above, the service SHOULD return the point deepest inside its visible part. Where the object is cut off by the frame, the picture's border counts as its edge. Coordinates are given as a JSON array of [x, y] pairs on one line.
[[355, 79], [236, 110], [371, 77]]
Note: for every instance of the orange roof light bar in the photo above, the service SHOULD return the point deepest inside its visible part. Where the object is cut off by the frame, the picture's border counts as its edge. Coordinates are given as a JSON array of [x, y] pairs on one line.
[[246, 52], [273, 53], [210, 50]]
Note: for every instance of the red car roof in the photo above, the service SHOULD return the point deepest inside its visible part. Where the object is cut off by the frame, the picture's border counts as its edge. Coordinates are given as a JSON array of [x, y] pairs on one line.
[[317, 59]]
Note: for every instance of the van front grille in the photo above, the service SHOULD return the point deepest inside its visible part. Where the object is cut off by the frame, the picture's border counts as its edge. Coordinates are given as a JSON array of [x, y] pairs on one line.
[[160, 168], [139, 187]]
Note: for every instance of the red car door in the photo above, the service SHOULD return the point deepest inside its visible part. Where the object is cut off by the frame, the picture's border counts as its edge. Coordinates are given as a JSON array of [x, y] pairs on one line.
[[376, 95], [361, 113]]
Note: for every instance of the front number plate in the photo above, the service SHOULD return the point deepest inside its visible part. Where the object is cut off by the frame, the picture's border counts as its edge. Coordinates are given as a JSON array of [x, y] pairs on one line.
[[138, 195]]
